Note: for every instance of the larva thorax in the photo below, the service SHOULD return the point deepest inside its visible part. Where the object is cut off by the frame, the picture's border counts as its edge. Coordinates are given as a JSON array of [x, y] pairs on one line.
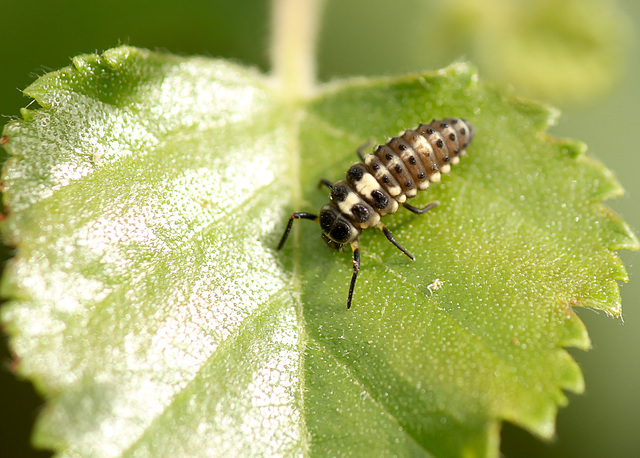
[[393, 173]]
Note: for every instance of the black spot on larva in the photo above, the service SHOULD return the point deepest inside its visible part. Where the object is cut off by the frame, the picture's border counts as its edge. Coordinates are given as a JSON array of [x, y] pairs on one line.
[[380, 199], [339, 193], [463, 131], [421, 176], [434, 167], [402, 147], [452, 137], [398, 169], [327, 218], [439, 143], [340, 232], [385, 179], [355, 173], [375, 166], [408, 184], [412, 160], [360, 212], [430, 131], [389, 156], [454, 121], [444, 125], [446, 159]]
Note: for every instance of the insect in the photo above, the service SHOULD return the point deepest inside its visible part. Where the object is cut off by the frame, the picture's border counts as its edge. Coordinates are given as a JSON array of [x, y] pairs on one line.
[[382, 181]]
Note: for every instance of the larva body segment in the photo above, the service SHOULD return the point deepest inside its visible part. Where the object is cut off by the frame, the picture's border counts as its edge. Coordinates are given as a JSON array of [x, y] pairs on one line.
[[384, 180]]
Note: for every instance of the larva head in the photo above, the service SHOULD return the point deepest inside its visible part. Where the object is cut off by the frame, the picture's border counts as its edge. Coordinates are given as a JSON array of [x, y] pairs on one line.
[[337, 230]]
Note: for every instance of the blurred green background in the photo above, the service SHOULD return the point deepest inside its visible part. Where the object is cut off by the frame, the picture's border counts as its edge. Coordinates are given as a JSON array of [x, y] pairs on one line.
[[580, 55]]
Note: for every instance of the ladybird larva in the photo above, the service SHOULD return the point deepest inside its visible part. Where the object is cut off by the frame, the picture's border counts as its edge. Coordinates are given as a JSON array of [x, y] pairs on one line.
[[383, 181]]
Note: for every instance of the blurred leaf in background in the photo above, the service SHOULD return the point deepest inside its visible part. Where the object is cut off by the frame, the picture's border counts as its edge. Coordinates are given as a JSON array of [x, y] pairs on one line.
[[562, 51]]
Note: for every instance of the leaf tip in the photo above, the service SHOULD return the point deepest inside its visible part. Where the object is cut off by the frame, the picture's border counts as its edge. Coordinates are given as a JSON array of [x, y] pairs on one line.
[[623, 238], [576, 334]]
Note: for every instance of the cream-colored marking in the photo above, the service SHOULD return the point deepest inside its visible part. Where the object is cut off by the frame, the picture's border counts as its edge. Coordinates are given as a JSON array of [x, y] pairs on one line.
[[393, 162], [463, 152], [394, 191], [421, 144], [445, 168], [373, 220], [367, 185], [411, 192], [401, 198], [353, 231], [455, 160], [423, 185], [394, 206], [421, 141], [435, 177], [350, 201], [405, 155], [354, 199]]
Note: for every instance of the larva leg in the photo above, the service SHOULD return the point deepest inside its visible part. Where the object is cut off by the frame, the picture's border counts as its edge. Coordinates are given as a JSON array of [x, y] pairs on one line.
[[393, 240], [299, 215], [420, 211], [356, 270], [325, 182], [363, 147]]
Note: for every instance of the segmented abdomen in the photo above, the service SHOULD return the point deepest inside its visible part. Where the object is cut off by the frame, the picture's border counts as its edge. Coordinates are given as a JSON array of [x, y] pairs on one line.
[[398, 169]]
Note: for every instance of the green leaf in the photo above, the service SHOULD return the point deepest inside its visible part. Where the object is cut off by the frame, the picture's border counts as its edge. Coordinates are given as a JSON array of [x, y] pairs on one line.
[[150, 307]]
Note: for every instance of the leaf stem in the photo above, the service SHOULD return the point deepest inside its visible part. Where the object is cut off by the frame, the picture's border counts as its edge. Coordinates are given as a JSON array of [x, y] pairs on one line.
[[294, 31]]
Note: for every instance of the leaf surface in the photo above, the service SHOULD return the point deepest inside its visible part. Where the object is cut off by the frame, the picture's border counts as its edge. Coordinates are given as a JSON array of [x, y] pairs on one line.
[[149, 306]]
